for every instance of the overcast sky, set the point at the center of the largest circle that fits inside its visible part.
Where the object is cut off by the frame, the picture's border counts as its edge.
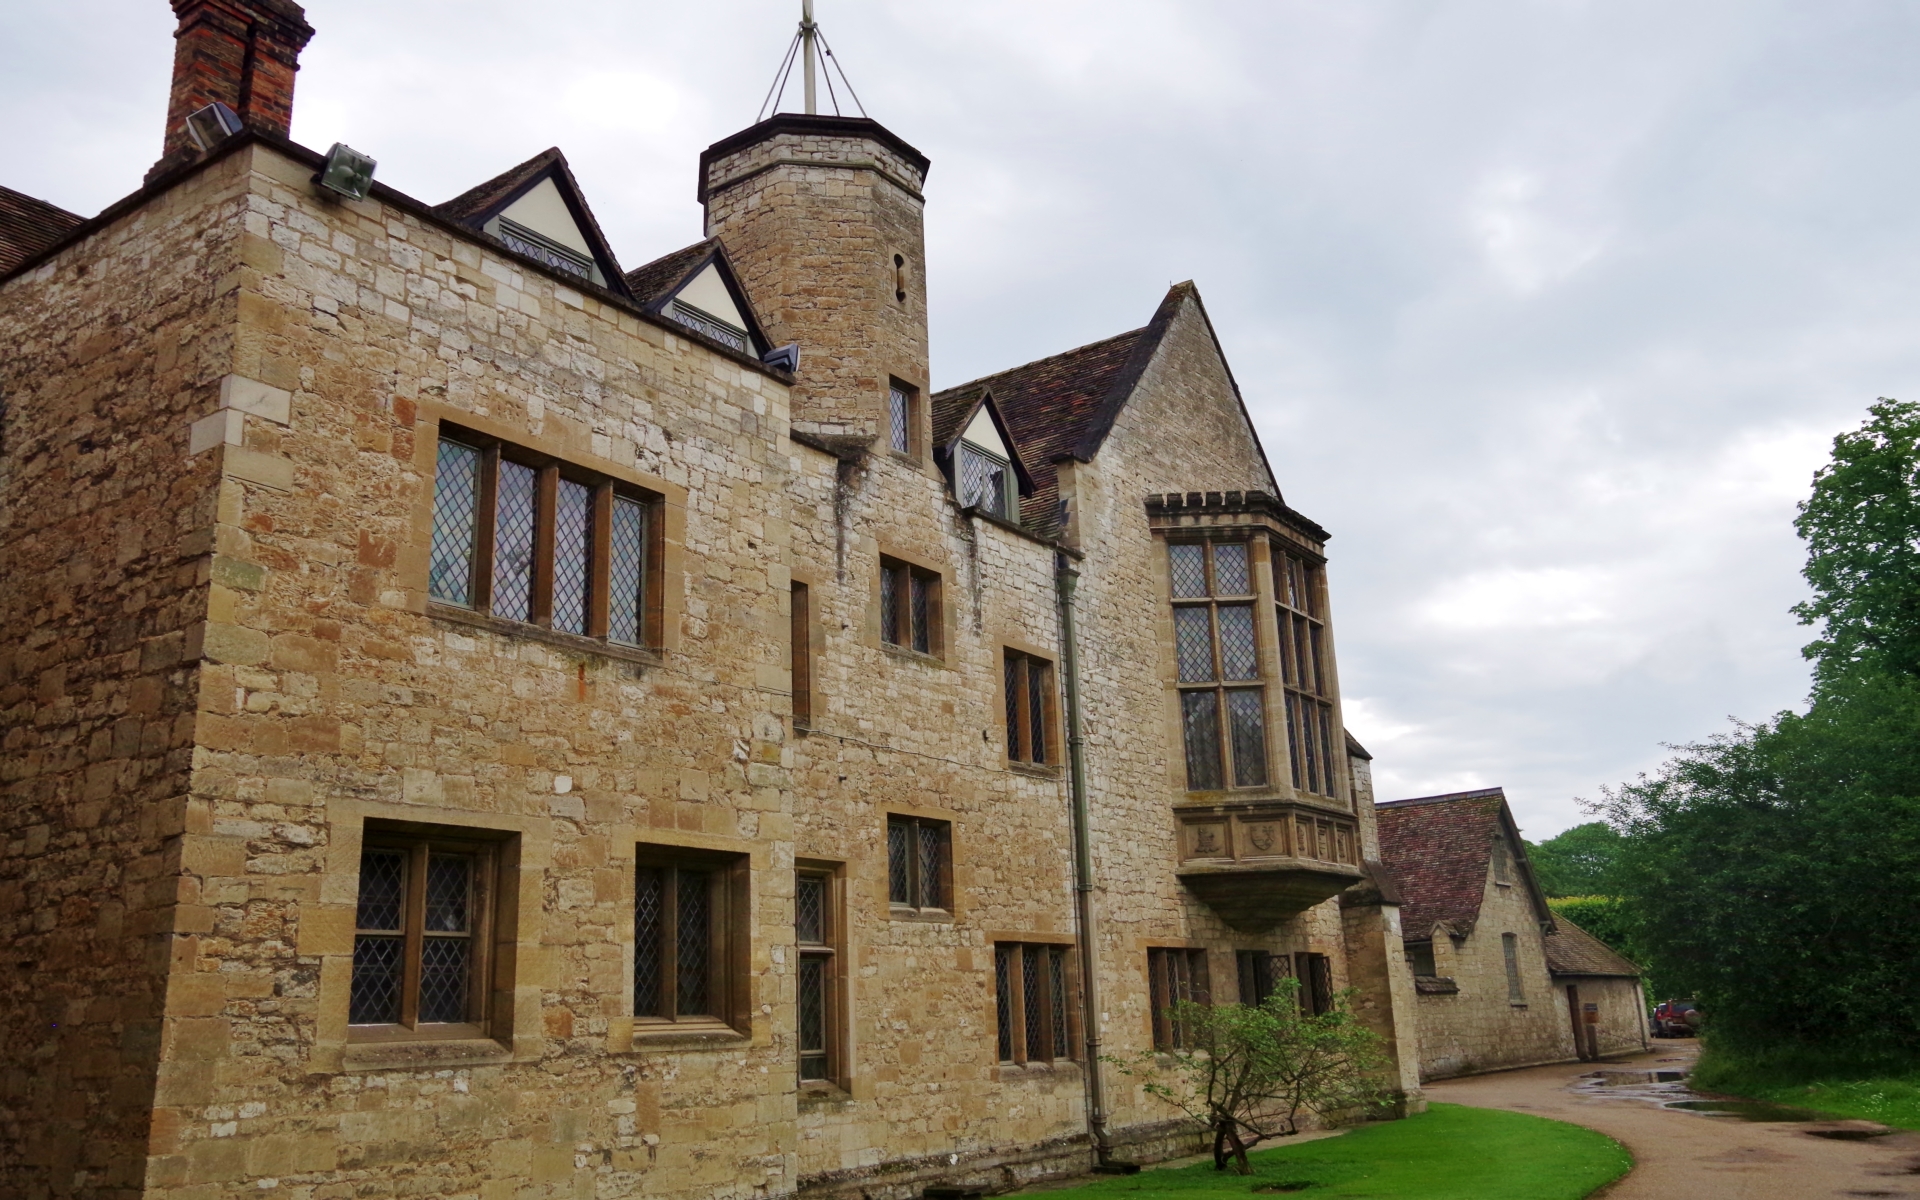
(1547, 309)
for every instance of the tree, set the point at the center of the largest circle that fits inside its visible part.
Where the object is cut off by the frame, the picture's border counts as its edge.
(1862, 529)
(1251, 1072)
(1576, 862)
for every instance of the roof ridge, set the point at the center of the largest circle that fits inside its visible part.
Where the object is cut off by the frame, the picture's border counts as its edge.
(1476, 794)
(1105, 341)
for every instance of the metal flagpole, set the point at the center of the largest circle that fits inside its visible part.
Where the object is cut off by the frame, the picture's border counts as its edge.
(807, 34)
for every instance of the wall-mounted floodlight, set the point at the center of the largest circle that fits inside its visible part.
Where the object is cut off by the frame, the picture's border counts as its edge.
(784, 358)
(210, 126)
(348, 172)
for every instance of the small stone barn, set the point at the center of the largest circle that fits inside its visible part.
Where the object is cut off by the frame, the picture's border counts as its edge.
(1606, 1005)
(1482, 942)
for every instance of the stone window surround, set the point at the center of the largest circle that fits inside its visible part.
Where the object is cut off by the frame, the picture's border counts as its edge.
(417, 843)
(1021, 1066)
(839, 1081)
(882, 895)
(731, 932)
(1164, 964)
(513, 1031)
(565, 440)
(1259, 530)
(1056, 743)
(939, 615)
(749, 949)
(918, 431)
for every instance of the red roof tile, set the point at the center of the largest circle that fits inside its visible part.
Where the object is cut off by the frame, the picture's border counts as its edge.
(1438, 849)
(1571, 950)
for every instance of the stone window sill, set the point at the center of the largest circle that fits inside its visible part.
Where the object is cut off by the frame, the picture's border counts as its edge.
(537, 633)
(1007, 1072)
(910, 655)
(930, 916)
(650, 1034)
(1036, 770)
(820, 1094)
(426, 1054)
(1516, 1004)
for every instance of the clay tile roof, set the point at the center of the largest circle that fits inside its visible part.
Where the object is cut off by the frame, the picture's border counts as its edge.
(28, 226)
(1438, 848)
(649, 281)
(1571, 950)
(1048, 406)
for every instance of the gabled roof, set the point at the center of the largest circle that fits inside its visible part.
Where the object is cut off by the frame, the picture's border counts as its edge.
(478, 205)
(655, 284)
(28, 226)
(1571, 950)
(1439, 849)
(951, 423)
(1062, 408)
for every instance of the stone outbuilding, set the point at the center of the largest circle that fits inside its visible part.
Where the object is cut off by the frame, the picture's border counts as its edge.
(1490, 960)
(1606, 1002)
(482, 721)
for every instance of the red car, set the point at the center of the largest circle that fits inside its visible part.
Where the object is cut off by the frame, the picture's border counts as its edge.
(1677, 1018)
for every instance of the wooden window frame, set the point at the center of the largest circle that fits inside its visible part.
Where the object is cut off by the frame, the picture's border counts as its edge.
(602, 491)
(832, 951)
(1175, 974)
(905, 574)
(1315, 973)
(418, 843)
(915, 869)
(800, 653)
(1222, 688)
(1017, 668)
(728, 945)
(1420, 954)
(1011, 1008)
(1314, 752)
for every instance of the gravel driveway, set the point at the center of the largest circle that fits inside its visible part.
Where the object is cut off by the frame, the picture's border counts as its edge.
(1682, 1155)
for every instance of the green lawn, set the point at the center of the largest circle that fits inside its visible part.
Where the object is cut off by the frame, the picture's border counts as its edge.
(1449, 1152)
(1887, 1091)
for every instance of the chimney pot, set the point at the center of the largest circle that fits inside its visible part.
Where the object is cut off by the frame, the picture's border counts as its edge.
(240, 53)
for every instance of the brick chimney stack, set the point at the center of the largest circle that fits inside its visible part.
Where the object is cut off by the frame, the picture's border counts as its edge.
(241, 53)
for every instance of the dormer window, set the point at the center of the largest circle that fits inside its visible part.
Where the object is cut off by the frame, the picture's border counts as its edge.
(544, 249)
(985, 475)
(706, 305)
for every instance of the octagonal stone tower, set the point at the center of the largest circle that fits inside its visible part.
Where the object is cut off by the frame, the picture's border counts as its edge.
(823, 218)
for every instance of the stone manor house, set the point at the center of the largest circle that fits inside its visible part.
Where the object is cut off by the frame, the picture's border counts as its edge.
(484, 721)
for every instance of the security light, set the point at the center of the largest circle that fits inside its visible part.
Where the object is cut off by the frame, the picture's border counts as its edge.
(348, 172)
(212, 125)
(784, 358)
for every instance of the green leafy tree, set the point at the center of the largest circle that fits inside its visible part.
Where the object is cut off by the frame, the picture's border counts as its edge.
(1862, 529)
(1252, 1072)
(1775, 871)
(1576, 862)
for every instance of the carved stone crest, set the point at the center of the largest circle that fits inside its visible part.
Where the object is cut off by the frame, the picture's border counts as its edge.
(1262, 836)
(1206, 840)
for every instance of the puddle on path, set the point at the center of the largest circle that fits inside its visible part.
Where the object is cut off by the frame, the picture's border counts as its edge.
(1748, 1110)
(1669, 1089)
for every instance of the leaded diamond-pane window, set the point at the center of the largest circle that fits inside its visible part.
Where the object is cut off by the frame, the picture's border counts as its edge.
(909, 607)
(919, 862)
(418, 952)
(523, 536)
(1032, 986)
(1215, 643)
(513, 532)
(815, 935)
(900, 405)
(570, 556)
(1306, 669)
(626, 599)
(986, 481)
(683, 936)
(456, 506)
(1028, 689)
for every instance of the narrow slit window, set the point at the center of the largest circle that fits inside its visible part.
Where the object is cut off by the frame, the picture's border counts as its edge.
(800, 647)
(1305, 673)
(816, 935)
